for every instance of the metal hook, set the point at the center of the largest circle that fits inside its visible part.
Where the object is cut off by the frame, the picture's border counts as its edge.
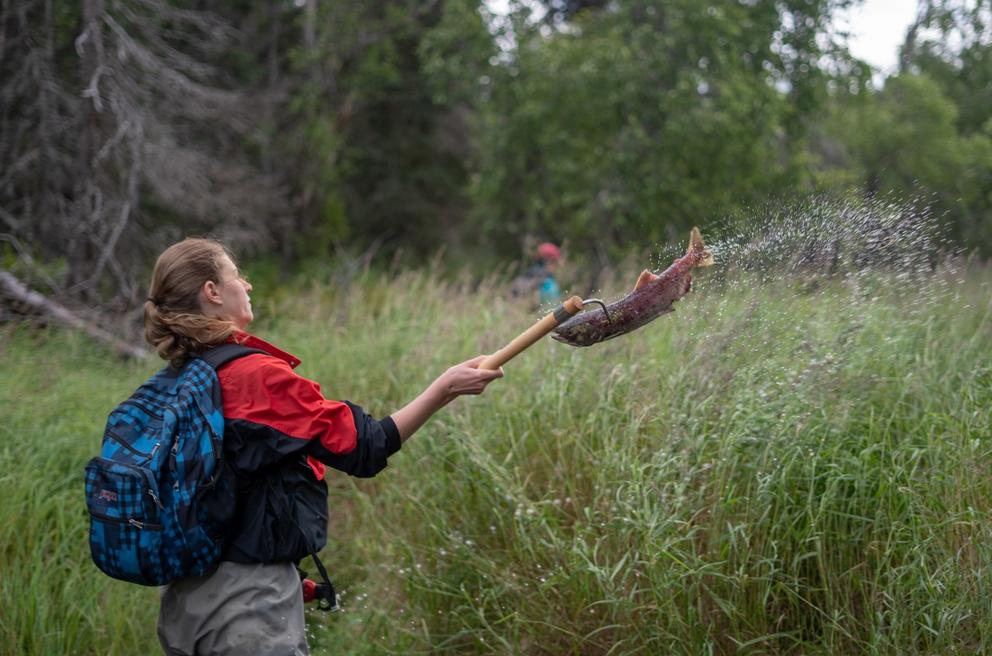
(600, 304)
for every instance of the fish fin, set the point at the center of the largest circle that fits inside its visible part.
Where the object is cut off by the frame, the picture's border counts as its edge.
(643, 279)
(696, 245)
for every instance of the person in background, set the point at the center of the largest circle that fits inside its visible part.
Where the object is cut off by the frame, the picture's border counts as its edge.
(538, 282)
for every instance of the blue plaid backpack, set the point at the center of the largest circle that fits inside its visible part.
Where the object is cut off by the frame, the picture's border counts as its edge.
(158, 505)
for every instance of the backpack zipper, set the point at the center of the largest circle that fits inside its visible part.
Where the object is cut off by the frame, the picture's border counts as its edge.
(120, 440)
(155, 498)
(149, 411)
(131, 521)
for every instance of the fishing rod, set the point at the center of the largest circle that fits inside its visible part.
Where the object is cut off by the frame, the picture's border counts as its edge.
(542, 327)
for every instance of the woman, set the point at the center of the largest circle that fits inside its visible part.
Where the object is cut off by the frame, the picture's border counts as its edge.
(280, 435)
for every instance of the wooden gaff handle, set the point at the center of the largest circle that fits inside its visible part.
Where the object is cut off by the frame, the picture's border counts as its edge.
(543, 326)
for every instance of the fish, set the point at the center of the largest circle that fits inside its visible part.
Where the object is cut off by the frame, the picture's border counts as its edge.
(652, 296)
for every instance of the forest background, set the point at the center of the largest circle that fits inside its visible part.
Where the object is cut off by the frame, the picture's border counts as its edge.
(353, 131)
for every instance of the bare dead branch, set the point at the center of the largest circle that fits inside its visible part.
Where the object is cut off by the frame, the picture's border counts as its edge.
(151, 32)
(215, 103)
(14, 288)
(92, 90)
(25, 257)
(216, 31)
(107, 250)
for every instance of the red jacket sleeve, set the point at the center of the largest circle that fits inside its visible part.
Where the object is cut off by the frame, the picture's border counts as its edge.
(277, 412)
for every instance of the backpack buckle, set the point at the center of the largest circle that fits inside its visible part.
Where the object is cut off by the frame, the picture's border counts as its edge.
(323, 593)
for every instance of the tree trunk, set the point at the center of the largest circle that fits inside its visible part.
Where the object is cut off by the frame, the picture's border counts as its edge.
(86, 191)
(310, 26)
(19, 292)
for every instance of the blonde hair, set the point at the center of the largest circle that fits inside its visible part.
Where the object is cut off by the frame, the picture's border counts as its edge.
(175, 324)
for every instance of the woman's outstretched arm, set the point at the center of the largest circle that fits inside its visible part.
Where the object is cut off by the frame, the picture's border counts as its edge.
(463, 378)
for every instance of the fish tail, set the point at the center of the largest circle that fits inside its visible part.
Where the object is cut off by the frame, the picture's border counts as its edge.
(697, 246)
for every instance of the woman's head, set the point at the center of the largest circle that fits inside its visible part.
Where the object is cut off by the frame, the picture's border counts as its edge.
(197, 299)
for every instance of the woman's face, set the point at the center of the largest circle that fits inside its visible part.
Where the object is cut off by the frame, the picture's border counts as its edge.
(228, 298)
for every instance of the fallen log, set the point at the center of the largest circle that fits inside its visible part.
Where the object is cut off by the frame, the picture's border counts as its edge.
(18, 291)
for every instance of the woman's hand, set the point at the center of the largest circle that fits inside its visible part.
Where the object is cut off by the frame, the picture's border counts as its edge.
(466, 378)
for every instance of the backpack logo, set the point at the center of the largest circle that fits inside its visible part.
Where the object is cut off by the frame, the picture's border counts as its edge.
(107, 495)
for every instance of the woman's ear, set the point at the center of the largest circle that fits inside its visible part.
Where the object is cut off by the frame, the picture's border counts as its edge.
(210, 294)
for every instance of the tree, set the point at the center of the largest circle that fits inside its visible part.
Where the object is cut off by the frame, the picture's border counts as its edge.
(927, 131)
(382, 132)
(951, 42)
(631, 122)
(118, 133)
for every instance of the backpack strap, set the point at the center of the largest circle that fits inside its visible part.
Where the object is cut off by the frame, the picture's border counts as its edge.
(325, 594)
(218, 356)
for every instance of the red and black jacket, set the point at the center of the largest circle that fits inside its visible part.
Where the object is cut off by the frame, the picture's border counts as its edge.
(280, 434)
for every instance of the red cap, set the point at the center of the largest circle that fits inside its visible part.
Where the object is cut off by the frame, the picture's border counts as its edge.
(548, 251)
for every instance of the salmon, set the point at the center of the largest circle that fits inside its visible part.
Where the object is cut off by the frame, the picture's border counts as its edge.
(652, 296)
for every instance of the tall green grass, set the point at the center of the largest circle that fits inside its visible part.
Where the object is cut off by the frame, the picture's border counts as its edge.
(777, 468)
